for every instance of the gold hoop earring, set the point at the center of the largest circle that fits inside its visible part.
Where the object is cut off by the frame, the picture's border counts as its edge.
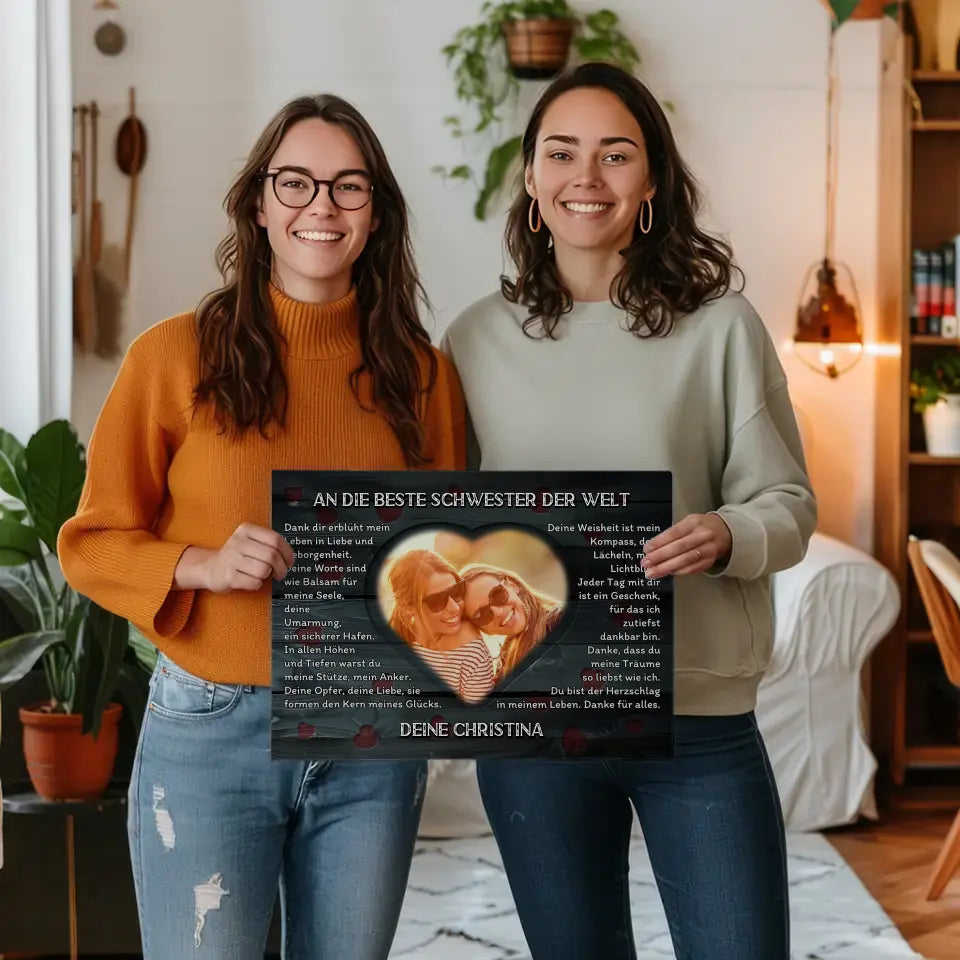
(534, 229)
(648, 205)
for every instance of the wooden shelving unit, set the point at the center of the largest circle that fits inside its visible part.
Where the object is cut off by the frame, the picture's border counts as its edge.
(915, 493)
(936, 76)
(936, 126)
(926, 460)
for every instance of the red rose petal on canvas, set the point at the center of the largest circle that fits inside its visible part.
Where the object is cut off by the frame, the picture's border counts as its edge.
(635, 726)
(389, 514)
(305, 730)
(540, 508)
(310, 634)
(325, 515)
(331, 573)
(293, 494)
(573, 741)
(382, 686)
(591, 679)
(439, 718)
(365, 737)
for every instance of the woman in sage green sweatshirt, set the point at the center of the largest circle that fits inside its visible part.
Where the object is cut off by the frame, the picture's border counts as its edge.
(621, 345)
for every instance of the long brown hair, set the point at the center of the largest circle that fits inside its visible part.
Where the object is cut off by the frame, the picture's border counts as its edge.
(241, 371)
(407, 577)
(667, 272)
(541, 613)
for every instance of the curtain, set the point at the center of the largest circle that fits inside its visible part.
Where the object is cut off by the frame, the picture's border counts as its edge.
(36, 324)
(36, 262)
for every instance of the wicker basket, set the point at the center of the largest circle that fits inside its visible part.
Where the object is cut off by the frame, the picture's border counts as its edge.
(538, 48)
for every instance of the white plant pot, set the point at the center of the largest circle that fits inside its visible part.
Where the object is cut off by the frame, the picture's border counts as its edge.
(941, 425)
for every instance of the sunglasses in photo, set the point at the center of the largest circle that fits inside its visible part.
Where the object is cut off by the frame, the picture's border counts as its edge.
(497, 597)
(436, 602)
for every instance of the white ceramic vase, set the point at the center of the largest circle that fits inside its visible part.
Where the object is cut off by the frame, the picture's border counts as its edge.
(941, 425)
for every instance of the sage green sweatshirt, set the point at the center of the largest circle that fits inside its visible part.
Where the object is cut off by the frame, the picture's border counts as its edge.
(709, 403)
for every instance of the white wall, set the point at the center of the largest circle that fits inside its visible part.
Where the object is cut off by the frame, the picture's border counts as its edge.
(748, 79)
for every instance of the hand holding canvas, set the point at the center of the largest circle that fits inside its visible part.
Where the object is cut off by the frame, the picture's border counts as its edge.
(697, 543)
(249, 557)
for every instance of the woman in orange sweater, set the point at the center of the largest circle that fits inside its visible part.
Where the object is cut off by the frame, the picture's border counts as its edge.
(311, 356)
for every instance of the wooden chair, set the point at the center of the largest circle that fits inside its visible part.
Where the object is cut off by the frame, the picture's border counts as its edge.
(937, 571)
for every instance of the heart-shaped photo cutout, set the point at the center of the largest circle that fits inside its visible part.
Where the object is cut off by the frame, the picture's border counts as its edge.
(473, 609)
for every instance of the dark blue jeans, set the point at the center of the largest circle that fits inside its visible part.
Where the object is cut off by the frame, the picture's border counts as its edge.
(712, 824)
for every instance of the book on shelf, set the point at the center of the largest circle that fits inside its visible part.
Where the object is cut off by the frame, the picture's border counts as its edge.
(948, 322)
(933, 290)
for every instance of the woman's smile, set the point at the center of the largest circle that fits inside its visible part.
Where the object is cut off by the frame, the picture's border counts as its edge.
(509, 618)
(322, 237)
(454, 620)
(586, 209)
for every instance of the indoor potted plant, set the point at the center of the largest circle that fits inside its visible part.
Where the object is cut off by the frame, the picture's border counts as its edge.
(89, 655)
(537, 34)
(936, 397)
(525, 39)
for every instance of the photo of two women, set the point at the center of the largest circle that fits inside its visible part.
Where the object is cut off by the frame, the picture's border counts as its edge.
(473, 610)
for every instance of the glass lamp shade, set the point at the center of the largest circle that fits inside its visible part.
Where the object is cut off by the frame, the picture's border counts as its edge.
(828, 338)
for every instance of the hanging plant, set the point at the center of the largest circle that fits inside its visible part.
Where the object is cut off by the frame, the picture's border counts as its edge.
(522, 40)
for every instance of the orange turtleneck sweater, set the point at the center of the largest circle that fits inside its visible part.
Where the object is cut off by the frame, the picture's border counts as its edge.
(160, 479)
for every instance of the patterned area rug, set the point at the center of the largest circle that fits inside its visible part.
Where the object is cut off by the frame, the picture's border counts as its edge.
(458, 907)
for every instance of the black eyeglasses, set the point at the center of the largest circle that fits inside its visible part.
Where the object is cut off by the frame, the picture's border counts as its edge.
(435, 602)
(497, 597)
(294, 187)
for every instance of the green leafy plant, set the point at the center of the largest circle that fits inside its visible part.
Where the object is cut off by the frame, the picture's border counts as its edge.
(484, 83)
(843, 10)
(930, 386)
(89, 654)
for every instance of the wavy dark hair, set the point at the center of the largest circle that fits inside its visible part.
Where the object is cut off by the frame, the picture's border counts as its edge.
(667, 272)
(241, 370)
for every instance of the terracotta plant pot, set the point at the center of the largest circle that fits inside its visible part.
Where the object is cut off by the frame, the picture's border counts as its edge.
(538, 48)
(63, 763)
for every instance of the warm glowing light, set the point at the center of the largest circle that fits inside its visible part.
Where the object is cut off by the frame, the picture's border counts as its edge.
(870, 349)
(883, 349)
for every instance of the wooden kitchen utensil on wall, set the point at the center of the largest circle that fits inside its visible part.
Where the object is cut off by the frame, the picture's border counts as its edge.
(131, 154)
(85, 320)
(96, 208)
(107, 278)
(74, 165)
(75, 173)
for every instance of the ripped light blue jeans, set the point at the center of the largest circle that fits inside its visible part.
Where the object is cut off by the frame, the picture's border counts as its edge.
(215, 824)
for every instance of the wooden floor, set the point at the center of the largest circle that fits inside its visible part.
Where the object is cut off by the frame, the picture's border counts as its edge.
(893, 860)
